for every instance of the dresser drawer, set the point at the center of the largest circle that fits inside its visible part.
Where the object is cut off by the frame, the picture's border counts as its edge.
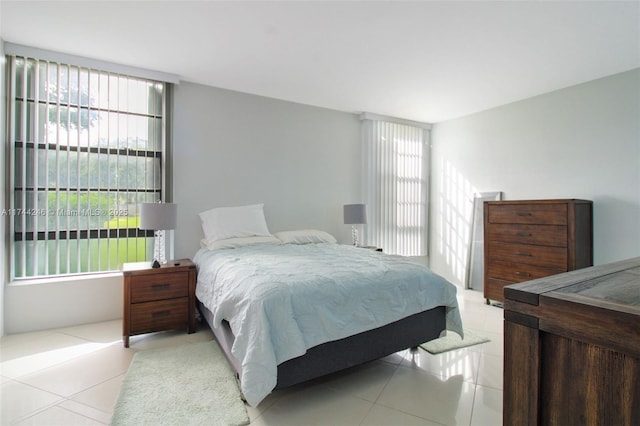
(519, 272)
(494, 288)
(543, 235)
(159, 315)
(550, 257)
(146, 288)
(540, 214)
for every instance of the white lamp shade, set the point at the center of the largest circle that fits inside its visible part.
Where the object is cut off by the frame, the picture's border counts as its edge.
(355, 214)
(158, 216)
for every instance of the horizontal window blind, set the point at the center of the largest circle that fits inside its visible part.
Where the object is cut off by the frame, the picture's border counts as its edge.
(86, 148)
(396, 171)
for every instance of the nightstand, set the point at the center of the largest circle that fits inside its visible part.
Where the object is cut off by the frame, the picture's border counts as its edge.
(157, 299)
(374, 248)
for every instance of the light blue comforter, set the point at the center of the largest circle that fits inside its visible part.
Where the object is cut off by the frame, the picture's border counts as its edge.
(281, 300)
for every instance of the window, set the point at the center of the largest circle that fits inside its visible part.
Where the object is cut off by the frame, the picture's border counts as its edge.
(85, 149)
(395, 180)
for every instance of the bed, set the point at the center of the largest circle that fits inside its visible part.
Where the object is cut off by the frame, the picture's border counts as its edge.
(285, 312)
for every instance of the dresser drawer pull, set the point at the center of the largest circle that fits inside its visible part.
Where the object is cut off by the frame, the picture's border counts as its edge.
(158, 287)
(524, 234)
(523, 274)
(522, 253)
(523, 213)
(160, 314)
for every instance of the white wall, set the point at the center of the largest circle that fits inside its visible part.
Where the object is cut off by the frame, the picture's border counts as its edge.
(232, 149)
(63, 302)
(3, 102)
(579, 142)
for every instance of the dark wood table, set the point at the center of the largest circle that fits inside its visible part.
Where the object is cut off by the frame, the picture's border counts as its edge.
(572, 348)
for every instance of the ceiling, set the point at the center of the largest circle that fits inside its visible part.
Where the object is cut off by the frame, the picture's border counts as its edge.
(421, 60)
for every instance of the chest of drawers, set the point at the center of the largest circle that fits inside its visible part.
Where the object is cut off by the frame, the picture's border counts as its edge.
(157, 299)
(525, 240)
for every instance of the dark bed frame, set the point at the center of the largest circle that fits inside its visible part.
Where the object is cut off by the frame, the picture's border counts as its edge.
(337, 355)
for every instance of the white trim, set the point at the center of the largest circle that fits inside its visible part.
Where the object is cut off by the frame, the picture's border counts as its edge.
(48, 55)
(65, 278)
(378, 117)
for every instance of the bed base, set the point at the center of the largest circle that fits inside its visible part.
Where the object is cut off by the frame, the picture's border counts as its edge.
(354, 350)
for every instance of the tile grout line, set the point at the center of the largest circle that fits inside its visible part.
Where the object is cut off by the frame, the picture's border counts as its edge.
(85, 405)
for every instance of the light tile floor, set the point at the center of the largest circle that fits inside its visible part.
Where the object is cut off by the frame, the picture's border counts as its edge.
(71, 376)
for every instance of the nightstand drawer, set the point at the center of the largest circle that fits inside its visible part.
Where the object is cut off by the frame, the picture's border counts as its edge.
(160, 315)
(168, 285)
(541, 214)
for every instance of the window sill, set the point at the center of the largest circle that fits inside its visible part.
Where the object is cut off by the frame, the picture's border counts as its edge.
(65, 278)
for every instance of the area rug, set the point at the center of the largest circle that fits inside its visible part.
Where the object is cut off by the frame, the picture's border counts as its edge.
(453, 341)
(184, 385)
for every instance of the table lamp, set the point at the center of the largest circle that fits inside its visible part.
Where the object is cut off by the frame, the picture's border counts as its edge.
(355, 214)
(158, 217)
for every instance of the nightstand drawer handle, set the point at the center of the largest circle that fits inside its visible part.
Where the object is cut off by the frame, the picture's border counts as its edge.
(523, 213)
(157, 287)
(160, 314)
(523, 274)
(523, 234)
(522, 253)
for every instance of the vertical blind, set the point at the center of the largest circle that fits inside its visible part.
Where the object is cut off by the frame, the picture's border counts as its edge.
(395, 173)
(85, 149)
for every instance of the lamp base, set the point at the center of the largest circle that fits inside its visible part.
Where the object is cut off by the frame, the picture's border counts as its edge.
(158, 249)
(354, 235)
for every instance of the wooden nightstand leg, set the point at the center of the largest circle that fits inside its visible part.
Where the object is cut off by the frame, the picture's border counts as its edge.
(191, 325)
(126, 341)
(192, 302)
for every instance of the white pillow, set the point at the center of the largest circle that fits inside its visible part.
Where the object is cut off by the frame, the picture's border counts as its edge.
(230, 243)
(234, 222)
(305, 236)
